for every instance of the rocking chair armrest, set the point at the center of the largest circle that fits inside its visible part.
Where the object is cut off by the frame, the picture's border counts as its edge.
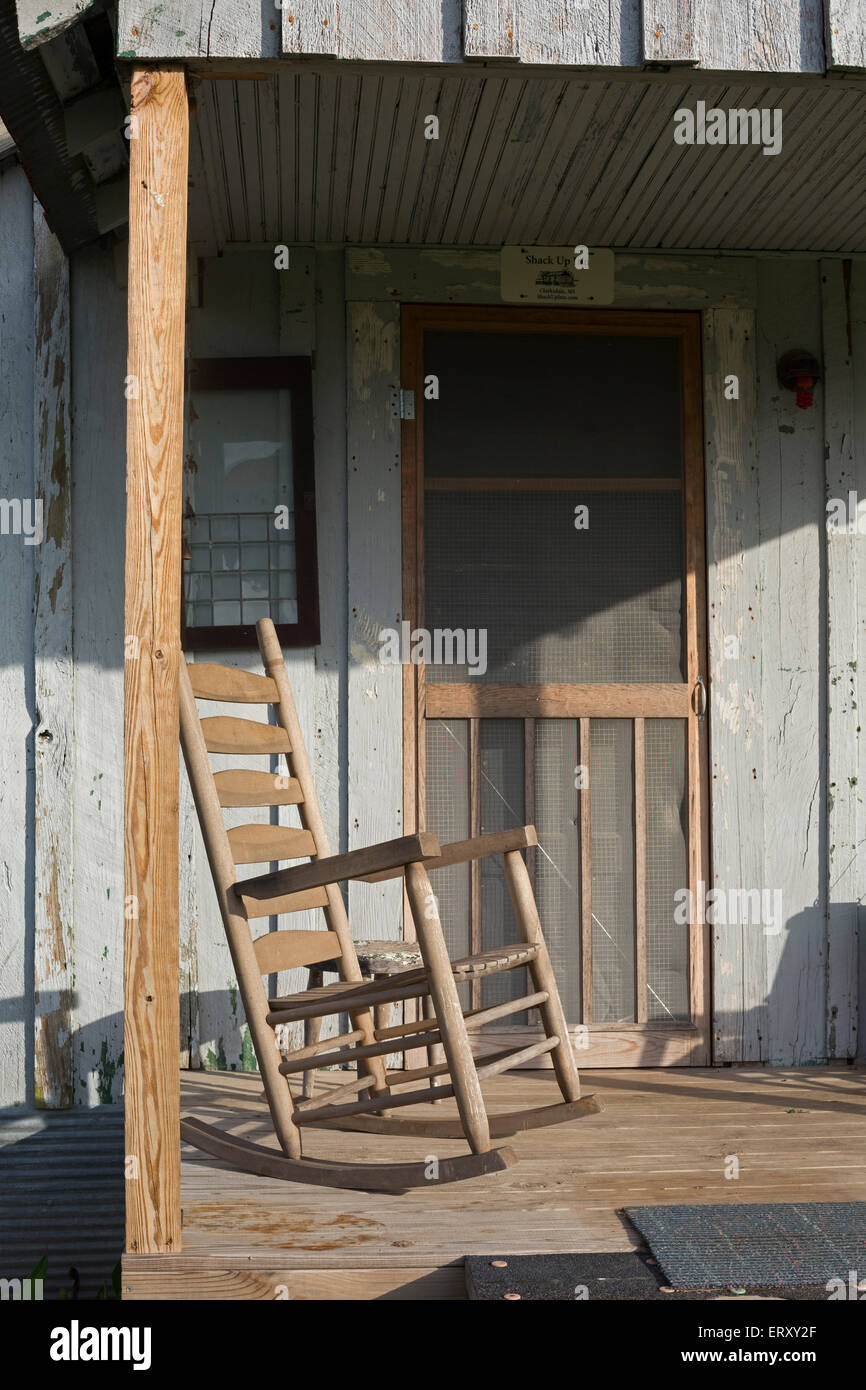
(388, 858)
(462, 851)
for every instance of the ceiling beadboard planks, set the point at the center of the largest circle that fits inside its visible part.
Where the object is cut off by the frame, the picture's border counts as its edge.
(845, 27)
(341, 156)
(54, 966)
(490, 29)
(310, 27)
(669, 31)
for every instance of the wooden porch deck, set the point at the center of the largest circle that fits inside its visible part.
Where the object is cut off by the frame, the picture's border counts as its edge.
(663, 1136)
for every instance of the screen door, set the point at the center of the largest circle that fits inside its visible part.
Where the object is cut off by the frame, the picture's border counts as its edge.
(554, 560)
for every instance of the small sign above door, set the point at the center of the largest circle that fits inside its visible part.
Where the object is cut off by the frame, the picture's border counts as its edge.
(556, 275)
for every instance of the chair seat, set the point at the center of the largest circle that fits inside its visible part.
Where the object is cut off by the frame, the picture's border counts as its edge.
(483, 963)
(379, 957)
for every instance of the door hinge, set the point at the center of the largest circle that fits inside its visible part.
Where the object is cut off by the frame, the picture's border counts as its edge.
(403, 404)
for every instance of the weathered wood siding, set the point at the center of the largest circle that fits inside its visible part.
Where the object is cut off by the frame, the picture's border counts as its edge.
(774, 576)
(845, 478)
(775, 996)
(786, 36)
(98, 513)
(16, 645)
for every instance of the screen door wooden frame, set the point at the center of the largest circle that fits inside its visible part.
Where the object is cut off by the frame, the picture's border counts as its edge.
(641, 1043)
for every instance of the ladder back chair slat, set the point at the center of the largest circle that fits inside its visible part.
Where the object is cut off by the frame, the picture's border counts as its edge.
(225, 733)
(286, 950)
(281, 907)
(263, 844)
(229, 684)
(242, 786)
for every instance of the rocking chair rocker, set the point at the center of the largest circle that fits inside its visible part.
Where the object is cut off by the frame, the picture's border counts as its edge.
(315, 884)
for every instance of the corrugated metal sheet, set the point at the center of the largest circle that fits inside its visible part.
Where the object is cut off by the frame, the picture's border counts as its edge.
(62, 1196)
(342, 157)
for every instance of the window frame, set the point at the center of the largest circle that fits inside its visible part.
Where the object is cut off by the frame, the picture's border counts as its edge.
(270, 374)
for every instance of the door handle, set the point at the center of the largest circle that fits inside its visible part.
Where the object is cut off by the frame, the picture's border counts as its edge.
(699, 698)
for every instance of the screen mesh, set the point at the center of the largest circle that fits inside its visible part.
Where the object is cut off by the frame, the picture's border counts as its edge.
(502, 802)
(667, 868)
(557, 859)
(558, 606)
(552, 405)
(611, 795)
(448, 817)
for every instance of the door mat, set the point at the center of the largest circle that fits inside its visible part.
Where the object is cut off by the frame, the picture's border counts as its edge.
(756, 1245)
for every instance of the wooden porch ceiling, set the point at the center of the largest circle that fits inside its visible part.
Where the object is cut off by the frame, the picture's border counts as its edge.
(341, 156)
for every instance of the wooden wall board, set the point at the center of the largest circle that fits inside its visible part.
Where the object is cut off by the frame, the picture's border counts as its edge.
(466, 276)
(845, 30)
(54, 748)
(858, 338)
(99, 504)
(16, 586)
(669, 32)
(736, 715)
(374, 690)
(787, 36)
(491, 29)
(793, 628)
(845, 472)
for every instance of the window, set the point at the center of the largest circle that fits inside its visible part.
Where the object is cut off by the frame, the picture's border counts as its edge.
(249, 531)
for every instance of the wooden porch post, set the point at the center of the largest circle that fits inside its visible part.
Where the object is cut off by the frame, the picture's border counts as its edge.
(154, 388)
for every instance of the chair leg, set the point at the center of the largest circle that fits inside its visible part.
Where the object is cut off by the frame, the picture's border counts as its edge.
(446, 1006)
(435, 1051)
(541, 973)
(381, 1012)
(312, 1033)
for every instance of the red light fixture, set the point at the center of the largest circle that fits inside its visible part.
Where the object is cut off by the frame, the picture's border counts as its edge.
(799, 371)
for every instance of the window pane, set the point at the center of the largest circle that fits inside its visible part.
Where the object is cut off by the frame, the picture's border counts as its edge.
(240, 487)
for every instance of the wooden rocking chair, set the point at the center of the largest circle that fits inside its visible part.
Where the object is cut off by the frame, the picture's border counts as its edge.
(315, 884)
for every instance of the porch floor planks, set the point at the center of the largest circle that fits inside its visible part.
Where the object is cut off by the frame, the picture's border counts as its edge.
(663, 1136)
